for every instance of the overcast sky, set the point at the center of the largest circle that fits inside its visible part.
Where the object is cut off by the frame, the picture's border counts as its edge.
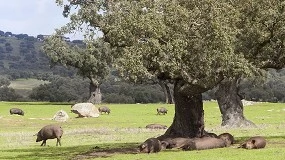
(32, 17)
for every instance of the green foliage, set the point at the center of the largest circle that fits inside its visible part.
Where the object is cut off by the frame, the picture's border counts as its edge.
(4, 81)
(26, 60)
(61, 89)
(8, 94)
(92, 60)
(64, 89)
(262, 32)
(189, 40)
(110, 136)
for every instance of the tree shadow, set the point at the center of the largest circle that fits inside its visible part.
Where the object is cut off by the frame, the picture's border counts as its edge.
(75, 152)
(101, 150)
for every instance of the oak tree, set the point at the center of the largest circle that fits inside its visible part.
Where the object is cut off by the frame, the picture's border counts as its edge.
(92, 61)
(261, 40)
(191, 43)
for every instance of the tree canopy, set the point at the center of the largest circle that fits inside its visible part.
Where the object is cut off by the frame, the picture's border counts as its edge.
(189, 40)
(92, 61)
(192, 43)
(262, 36)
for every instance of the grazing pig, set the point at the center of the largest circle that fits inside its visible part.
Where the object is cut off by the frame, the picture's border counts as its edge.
(205, 143)
(104, 109)
(254, 143)
(227, 137)
(49, 132)
(151, 145)
(161, 110)
(156, 126)
(16, 111)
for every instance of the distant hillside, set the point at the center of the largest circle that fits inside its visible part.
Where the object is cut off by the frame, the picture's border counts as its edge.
(21, 57)
(22, 54)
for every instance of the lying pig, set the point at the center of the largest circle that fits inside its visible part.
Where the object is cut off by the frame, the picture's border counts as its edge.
(178, 142)
(151, 145)
(156, 126)
(254, 143)
(205, 143)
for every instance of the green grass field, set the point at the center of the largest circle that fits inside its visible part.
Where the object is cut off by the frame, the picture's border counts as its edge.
(116, 135)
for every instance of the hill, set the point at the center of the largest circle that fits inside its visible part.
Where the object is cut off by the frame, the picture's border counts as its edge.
(21, 57)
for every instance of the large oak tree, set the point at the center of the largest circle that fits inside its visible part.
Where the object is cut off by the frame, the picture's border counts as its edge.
(191, 43)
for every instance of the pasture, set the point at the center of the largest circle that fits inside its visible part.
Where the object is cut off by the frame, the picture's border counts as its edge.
(116, 136)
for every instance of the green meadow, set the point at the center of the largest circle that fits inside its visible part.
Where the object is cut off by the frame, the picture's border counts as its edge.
(117, 135)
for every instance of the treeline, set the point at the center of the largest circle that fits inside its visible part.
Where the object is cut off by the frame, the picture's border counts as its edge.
(66, 89)
(76, 89)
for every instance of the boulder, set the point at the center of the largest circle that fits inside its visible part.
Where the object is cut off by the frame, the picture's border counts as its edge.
(85, 110)
(61, 116)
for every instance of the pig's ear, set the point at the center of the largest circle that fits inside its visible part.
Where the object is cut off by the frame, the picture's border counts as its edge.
(143, 146)
(253, 141)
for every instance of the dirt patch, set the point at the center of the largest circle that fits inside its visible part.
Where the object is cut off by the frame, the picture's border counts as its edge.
(106, 152)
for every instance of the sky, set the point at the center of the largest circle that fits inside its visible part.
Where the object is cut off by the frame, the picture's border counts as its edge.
(32, 17)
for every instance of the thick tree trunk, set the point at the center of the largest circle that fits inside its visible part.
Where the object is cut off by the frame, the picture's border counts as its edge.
(230, 104)
(189, 114)
(95, 93)
(166, 91)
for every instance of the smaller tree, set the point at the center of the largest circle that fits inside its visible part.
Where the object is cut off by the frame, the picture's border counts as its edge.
(92, 60)
(6, 93)
(4, 81)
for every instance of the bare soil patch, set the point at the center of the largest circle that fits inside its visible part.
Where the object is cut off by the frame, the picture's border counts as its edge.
(107, 152)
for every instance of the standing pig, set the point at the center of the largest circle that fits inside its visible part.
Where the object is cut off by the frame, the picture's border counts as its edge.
(17, 111)
(161, 110)
(151, 145)
(49, 132)
(254, 143)
(104, 109)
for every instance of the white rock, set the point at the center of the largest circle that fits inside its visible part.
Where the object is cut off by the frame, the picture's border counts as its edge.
(85, 110)
(61, 116)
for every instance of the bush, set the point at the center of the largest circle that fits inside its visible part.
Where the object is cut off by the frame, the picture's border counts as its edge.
(8, 94)
(61, 89)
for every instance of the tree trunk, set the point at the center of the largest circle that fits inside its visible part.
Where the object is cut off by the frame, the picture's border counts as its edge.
(189, 114)
(169, 94)
(95, 93)
(166, 90)
(230, 104)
